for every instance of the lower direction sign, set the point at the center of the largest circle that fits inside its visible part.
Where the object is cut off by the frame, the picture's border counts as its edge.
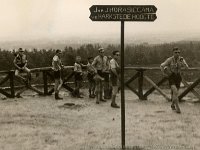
(124, 17)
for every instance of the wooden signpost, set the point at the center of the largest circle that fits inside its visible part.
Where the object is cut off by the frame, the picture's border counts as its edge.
(123, 13)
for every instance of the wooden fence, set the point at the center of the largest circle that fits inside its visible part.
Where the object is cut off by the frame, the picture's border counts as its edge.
(141, 76)
(47, 89)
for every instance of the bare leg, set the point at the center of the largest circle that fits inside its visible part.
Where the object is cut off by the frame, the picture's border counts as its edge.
(20, 77)
(175, 98)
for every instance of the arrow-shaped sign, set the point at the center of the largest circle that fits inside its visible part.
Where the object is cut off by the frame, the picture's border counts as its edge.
(123, 13)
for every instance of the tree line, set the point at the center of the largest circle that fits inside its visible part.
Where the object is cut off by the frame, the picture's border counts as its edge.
(135, 55)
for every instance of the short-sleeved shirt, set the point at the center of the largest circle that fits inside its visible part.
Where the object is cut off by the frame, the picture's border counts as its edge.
(56, 63)
(173, 65)
(78, 67)
(90, 68)
(20, 60)
(100, 63)
(114, 65)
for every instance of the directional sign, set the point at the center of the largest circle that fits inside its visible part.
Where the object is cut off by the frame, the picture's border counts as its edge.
(123, 13)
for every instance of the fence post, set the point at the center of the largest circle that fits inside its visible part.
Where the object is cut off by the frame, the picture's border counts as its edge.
(44, 73)
(12, 88)
(140, 85)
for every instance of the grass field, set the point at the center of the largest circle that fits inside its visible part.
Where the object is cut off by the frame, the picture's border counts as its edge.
(41, 123)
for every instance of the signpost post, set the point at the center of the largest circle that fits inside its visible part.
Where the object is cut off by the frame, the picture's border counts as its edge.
(123, 13)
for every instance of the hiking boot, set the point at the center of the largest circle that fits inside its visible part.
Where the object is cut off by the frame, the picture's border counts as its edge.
(114, 105)
(101, 97)
(173, 107)
(103, 100)
(92, 96)
(178, 109)
(57, 97)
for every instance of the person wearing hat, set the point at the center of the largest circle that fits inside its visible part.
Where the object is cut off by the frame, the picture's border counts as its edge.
(20, 63)
(171, 68)
(57, 67)
(99, 63)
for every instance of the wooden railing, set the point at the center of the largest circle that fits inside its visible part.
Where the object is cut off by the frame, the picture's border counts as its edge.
(47, 88)
(140, 74)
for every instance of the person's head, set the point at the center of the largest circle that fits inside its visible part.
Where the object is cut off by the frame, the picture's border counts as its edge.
(116, 54)
(109, 57)
(101, 51)
(78, 59)
(90, 59)
(58, 52)
(176, 52)
(20, 51)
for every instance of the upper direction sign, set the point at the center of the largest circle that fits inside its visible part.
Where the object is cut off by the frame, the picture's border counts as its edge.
(123, 13)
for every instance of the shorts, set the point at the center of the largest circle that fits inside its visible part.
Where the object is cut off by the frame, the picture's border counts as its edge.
(78, 77)
(20, 65)
(57, 74)
(90, 77)
(175, 79)
(114, 79)
(106, 76)
(100, 73)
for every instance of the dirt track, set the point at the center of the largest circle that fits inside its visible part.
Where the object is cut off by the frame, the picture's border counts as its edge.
(41, 123)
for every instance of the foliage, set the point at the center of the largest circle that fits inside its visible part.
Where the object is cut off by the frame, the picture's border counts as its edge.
(142, 54)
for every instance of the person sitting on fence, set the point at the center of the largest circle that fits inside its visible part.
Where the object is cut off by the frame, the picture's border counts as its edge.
(90, 76)
(98, 64)
(78, 75)
(171, 68)
(57, 67)
(20, 63)
(115, 77)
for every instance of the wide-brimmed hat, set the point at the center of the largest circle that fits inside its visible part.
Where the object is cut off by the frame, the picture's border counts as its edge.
(20, 50)
(101, 49)
(175, 48)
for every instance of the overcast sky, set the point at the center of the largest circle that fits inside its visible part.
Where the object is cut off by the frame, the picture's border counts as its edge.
(35, 19)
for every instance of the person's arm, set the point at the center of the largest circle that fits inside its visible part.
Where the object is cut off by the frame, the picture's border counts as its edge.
(113, 68)
(115, 72)
(25, 64)
(94, 64)
(83, 66)
(183, 63)
(165, 67)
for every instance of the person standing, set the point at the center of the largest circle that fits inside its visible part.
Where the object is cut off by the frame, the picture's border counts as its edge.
(98, 64)
(20, 63)
(106, 73)
(115, 77)
(171, 68)
(78, 76)
(90, 76)
(57, 68)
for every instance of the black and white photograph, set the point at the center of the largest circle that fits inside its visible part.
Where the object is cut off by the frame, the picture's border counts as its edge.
(99, 75)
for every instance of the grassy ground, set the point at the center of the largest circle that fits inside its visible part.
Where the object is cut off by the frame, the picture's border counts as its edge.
(41, 123)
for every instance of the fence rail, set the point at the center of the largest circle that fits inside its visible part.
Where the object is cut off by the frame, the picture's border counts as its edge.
(47, 89)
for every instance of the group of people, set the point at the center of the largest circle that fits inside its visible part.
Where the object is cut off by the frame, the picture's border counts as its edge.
(103, 73)
(103, 77)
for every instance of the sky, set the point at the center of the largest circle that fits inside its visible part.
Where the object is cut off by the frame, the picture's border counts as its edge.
(58, 19)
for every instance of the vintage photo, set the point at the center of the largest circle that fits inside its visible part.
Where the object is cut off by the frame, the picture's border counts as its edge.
(99, 74)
